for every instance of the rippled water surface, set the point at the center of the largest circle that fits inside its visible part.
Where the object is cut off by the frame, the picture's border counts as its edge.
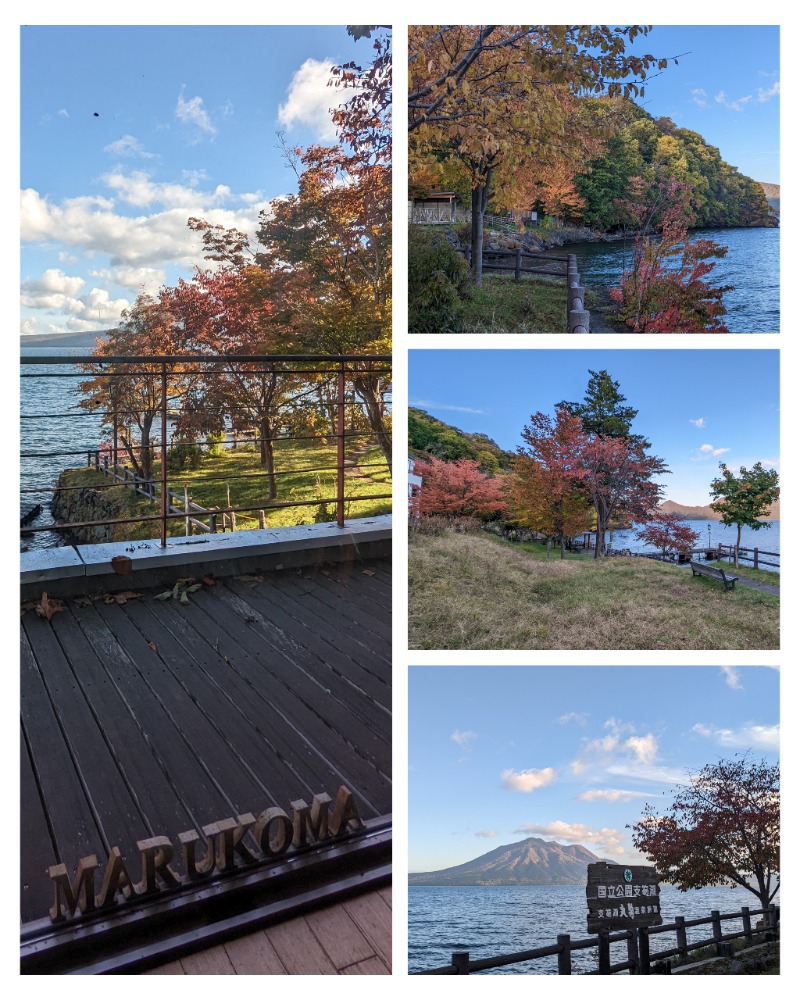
(751, 265)
(496, 920)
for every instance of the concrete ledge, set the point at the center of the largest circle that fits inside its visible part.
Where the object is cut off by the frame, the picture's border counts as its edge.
(70, 571)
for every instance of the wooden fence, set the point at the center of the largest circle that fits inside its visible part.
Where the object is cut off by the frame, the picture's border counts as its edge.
(578, 319)
(642, 960)
(176, 504)
(755, 556)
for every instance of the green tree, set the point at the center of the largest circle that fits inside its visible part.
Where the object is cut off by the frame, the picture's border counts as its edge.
(602, 411)
(744, 499)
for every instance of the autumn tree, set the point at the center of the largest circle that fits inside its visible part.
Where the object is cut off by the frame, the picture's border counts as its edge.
(129, 395)
(545, 489)
(722, 828)
(663, 290)
(745, 499)
(458, 489)
(618, 479)
(667, 532)
(503, 97)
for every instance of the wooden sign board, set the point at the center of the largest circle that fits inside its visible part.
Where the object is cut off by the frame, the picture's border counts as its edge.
(621, 896)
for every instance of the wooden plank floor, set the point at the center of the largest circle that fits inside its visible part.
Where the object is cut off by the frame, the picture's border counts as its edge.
(346, 939)
(152, 717)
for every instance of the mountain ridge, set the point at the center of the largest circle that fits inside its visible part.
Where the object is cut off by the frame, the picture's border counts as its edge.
(532, 861)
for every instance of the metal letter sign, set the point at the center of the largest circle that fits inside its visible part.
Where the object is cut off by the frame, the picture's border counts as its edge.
(620, 897)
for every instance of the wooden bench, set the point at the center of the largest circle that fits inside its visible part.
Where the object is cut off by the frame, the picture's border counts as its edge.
(699, 569)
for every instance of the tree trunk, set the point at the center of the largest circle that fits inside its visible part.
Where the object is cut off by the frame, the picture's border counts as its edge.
(368, 390)
(480, 199)
(267, 456)
(738, 543)
(563, 546)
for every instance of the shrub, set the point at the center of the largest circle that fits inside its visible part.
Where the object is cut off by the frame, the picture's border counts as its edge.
(184, 455)
(215, 442)
(438, 281)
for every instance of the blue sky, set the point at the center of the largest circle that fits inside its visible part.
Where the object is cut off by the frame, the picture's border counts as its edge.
(726, 87)
(498, 754)
(697, 407)
(128, 131)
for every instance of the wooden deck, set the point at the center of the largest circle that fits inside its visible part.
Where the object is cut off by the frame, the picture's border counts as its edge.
(353, 938)
(151, 717)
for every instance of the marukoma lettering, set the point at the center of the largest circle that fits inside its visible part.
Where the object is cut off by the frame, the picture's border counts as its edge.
(274, 831)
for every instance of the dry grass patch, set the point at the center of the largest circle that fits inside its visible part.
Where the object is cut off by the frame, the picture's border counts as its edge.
(469, 592)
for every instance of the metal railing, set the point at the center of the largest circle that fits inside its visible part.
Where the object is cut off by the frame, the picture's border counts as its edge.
(641, 961)
(336, 403)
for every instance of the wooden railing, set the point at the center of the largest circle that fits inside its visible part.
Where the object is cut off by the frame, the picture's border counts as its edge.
(578, 319)
(641, 961)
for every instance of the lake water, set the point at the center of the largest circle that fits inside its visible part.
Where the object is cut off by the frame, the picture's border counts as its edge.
(496, 920)
(715, 533)
(752, 266)
(71, 433)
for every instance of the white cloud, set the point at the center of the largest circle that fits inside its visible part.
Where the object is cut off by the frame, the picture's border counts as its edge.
(430, 405)
(609, 795)
(766, 95)
(644, 748)
(709, 451)
(599, 753)
(528, 780)
(748, 737)
(463, 738)
(739, 104)
(193, 113)
(486, 833)
(579, 717)
(699, 98)
(607, 840)
(309, 99)
(137, 279)
(62, 113)
(128, 145)
(700, 422)
(731, 675)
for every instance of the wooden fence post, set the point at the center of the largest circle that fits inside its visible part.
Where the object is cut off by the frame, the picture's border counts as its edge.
(772, 923)
(680, 933)
(564, 956)
(603, 954)
(633, 953)
(460, 960)
(644, 952)
(262, 519)
(755, 558)
(716, 929)
(747, 926)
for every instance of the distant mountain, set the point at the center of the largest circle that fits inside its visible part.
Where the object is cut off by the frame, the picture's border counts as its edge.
(707, 514)
(78, 340)
(773, 195)
(530, 862)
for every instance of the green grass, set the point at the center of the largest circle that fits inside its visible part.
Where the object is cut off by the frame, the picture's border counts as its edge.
(240, 472)
(502, 305)
(747, 572)
(469, 592)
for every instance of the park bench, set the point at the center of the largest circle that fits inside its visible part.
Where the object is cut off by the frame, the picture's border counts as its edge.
(699, 569)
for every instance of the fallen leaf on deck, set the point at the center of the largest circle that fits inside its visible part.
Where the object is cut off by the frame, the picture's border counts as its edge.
(209, 581)
(368, 572)
(48, 606)
(153, 646)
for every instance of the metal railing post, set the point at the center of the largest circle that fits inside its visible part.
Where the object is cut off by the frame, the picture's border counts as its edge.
(340, 447)
(164, 500)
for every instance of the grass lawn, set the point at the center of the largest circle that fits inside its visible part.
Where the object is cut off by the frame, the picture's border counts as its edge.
(470, 592)
(502, 305)
(304, 474)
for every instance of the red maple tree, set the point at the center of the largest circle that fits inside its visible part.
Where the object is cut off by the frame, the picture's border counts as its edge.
(723, 828)
(458, 489)
(667, 532)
